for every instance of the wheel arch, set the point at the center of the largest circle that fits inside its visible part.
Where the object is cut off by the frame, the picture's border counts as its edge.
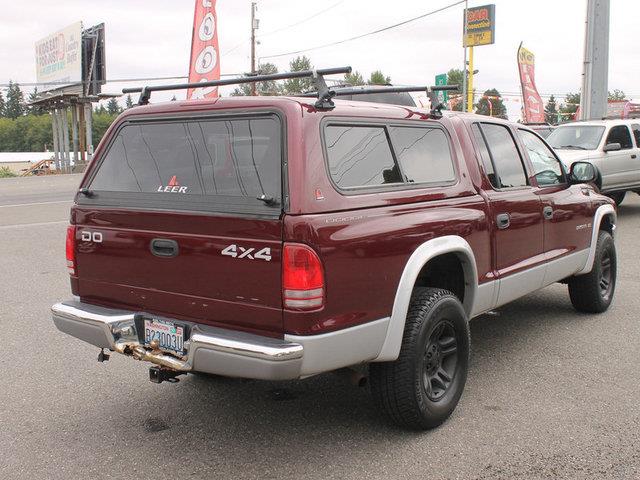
(604, 219)
(430, 250)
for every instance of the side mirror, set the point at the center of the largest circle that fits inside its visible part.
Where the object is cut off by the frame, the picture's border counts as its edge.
(583, 172)
(612, 147)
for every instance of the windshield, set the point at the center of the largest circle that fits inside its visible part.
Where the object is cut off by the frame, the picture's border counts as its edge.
(579, 137)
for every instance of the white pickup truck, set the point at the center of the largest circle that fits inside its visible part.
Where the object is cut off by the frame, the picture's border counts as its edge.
(611, 145)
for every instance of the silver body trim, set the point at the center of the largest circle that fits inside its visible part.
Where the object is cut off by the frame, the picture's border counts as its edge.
(602, 212)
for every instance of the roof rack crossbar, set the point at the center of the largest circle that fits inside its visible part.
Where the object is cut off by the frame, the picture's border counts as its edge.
(145, 92)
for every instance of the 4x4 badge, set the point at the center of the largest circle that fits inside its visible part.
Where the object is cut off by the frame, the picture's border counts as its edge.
(172, 187)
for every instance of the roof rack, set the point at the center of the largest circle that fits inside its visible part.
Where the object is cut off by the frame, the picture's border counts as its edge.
(436, 106)
(323, 93)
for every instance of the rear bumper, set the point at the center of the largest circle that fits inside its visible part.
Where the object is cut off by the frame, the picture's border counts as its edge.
(209, 349)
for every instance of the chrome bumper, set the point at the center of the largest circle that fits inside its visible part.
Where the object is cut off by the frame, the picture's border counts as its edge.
(209, 349)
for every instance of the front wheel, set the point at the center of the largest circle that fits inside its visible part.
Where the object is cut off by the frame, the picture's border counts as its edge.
(422, 387)
(593, 292)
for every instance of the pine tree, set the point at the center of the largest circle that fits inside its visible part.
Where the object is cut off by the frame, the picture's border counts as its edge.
(491, 104)
(299, 85)
(551, 111)
(34, 109)
(2, 106)
(112, 106)
(378, 78)
(14, 106)
(354, 79)
(262, 88)
(129, 101)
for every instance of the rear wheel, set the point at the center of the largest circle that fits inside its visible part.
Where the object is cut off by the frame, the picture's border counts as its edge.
(593, 292)
(422, 387)
(617, 197)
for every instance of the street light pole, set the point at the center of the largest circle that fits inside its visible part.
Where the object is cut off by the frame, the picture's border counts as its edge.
(254, 26)
(464, 65)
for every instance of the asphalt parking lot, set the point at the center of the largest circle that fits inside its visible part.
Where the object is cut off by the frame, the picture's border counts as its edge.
(551, 393)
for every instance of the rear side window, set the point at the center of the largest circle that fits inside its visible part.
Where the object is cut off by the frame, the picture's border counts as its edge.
(423, 154)
(620, 134)
(360, 156)
(219, 163)
(504, 155)
(636, 133)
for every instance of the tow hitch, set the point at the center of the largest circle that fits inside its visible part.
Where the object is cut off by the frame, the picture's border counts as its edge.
(159, 375)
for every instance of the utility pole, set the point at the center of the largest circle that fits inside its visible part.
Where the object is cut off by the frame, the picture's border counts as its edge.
(470, 82)
(595, 72)
(464, 65)
(254, 27)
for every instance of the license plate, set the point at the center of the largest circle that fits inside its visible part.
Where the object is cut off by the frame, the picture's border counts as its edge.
(170, 336)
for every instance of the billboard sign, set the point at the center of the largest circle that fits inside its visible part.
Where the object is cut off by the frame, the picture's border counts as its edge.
(532, 102)
(205, 54)
(443, 96)
(480, 26)
(59, 57)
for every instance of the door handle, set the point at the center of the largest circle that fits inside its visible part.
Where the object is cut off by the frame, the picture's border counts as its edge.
(162, 247)
(547, 212)
(503, 220)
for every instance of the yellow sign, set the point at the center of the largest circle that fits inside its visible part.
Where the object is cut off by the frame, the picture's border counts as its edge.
(479, 38)
(480, 25)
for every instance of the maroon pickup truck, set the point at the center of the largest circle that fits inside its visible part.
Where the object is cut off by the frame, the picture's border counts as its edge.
(276, 238)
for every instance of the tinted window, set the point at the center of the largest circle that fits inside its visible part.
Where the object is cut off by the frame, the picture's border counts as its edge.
(505, 156)
(485, 157)
(546, 166)
(620, 134)
(360, 156)
(230, 159)
(423, 154)
(636, 133)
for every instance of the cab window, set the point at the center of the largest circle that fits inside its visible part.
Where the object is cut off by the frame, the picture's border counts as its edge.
(504, 155)
(546, 166)
(620, 134)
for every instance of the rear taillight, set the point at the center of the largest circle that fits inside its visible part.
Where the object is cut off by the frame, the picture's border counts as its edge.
(302, 278)
(71, 249)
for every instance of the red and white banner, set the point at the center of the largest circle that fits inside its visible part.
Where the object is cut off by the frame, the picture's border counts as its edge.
(533, 108)
(205, 53)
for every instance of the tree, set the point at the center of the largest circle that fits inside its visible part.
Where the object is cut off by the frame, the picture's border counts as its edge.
(378, 78)
(112, 106)
(491, 104)
(570, 105)
(354, 79)
(34, 109)
(128, 102)
(2, 105)
(455, 77)
(14, 106)
(551, 111)
(299, 85)
(616, 95)
(262, 88)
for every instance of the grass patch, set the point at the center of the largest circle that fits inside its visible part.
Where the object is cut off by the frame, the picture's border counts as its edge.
(6, 172)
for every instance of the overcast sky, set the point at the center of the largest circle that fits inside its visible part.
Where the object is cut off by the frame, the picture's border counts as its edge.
(152, 38)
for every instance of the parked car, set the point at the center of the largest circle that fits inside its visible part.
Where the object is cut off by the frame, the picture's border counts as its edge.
(611, 145)
(270, 238)
(542, 129)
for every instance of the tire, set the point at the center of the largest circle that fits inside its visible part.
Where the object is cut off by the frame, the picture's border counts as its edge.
(435, 340)
(593, 292)
(617, 197)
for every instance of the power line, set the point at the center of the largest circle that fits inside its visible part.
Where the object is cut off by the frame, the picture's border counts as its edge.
(301, 21)
(233, 49)
(380, 30)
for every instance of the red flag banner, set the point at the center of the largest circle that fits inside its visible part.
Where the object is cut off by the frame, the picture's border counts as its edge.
(205, 54)
(532, 103)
